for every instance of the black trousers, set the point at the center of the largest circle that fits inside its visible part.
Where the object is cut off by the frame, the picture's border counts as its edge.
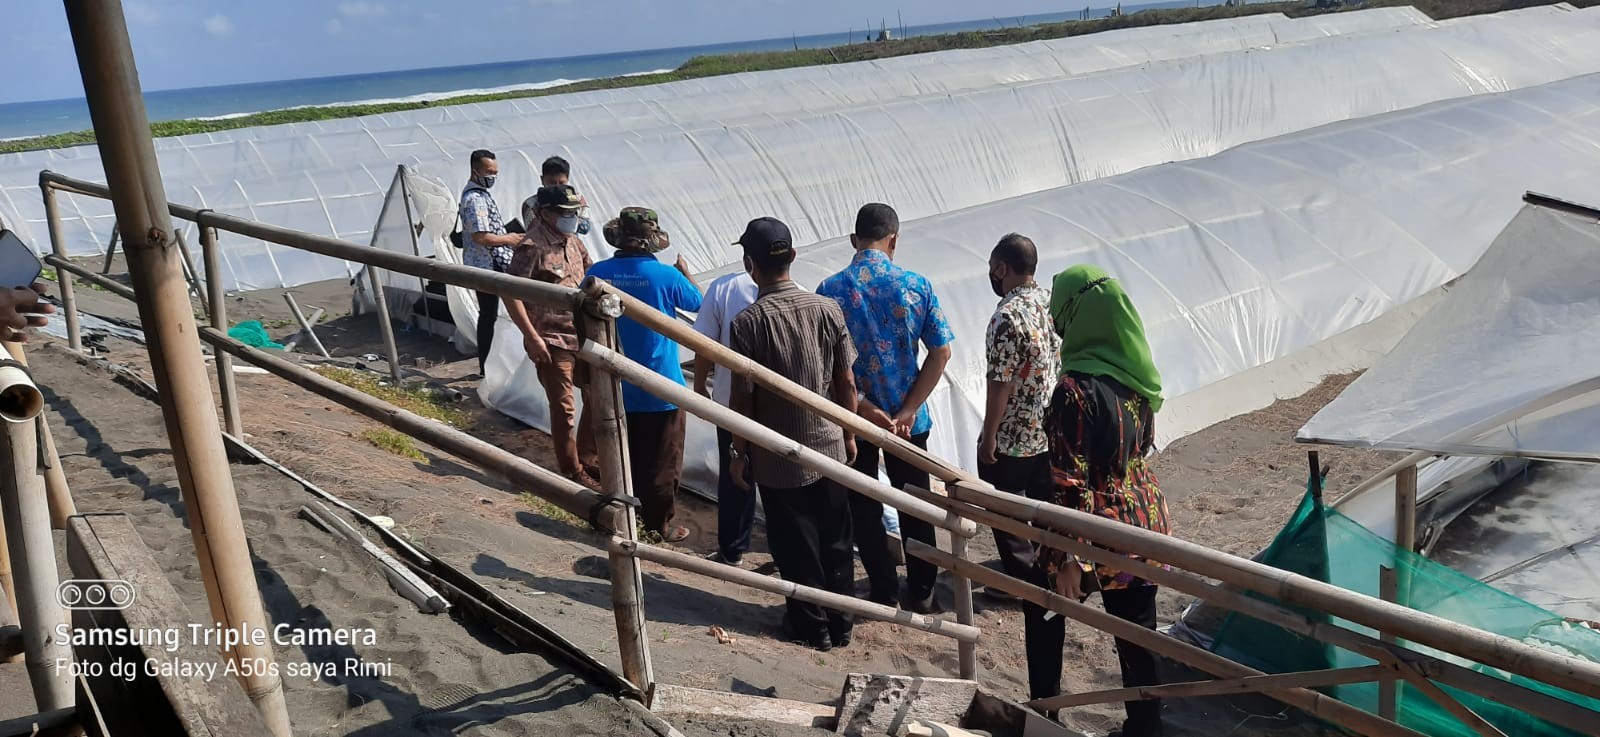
(736, 507)
(808, 531)
(872, 541)
(488, 313)
(1044, 646)
(1029, 476)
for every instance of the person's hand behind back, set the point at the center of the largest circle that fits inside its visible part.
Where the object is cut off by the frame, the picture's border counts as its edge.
(22, 308)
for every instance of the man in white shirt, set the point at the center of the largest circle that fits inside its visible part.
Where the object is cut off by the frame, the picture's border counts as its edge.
(736, 508)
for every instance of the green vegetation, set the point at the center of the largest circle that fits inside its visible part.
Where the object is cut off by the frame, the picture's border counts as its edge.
(549, 510)
(720, 64)
(418, 400)
(397, 443)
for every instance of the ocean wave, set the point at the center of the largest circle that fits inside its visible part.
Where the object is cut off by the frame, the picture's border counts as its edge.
(437, 96)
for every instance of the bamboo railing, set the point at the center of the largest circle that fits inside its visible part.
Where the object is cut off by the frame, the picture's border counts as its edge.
(966, 503)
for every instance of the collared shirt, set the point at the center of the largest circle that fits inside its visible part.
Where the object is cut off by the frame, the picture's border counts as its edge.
(803, 337)
(725, 299)
(889, 310)
(1023, 349)
(557, 258)
(480, 214)
(663, 287)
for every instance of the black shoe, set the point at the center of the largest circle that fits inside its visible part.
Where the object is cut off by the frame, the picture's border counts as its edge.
(718, 557)
(929, 606)
(840, 639)
(819, 642)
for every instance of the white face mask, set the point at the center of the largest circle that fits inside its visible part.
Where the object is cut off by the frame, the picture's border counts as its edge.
(568, 224)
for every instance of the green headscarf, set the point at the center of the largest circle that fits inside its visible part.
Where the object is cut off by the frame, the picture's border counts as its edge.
(1101, 333)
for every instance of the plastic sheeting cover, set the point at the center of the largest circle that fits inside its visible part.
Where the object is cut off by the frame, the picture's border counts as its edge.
(1507, 364)
(927, 154)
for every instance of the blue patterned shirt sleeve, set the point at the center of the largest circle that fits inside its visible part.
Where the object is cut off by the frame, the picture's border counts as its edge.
(936, 332)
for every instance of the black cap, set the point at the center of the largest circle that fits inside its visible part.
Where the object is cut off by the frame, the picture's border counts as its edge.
(561, 195)
(766, 237)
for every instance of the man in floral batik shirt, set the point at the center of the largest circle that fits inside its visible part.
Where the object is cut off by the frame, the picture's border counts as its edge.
(1024, 354)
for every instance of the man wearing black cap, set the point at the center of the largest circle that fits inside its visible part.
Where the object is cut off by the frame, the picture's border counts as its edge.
(803, 337)
(550, 252)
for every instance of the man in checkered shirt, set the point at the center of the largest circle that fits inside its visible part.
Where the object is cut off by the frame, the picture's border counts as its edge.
(485, 242)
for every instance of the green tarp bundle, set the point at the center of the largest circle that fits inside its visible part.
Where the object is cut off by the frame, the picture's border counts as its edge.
(1323, 544)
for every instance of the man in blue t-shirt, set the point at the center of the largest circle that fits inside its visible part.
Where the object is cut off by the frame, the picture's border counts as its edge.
(655, 426)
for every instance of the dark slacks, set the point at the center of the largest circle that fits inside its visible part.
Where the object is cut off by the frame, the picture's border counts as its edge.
(1029, 476)
(736, 507)
(1044, 644)
(872, 541)
(808, 531)
(655, 460)
(488, 313)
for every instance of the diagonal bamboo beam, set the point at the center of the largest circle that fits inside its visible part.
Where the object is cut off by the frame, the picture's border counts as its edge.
(1448, 702)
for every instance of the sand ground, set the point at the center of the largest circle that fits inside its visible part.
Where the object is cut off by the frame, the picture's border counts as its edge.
(1230, 486)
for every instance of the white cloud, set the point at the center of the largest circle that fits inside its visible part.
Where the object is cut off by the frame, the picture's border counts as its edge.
(333, 26)
(140, 12)
(363, 9)
(219, 25)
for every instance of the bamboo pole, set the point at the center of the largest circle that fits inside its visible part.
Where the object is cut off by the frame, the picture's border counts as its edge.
(55, 479)
(597, 320)
(966, 652)
(1557, 711)
(1405, 510)
(1388, 691)
(189, 273)
(960, 632)
(111, 248)
(227, 388)
(69, 301)
(122, 130)
(385, 326)
(305, 326)
(8, 607)
(615, 363)
(1448, 703)
(1223, 687)
(1432, 631)
(110, 285)
(1307, 700)
(495, 461)
(26, 512)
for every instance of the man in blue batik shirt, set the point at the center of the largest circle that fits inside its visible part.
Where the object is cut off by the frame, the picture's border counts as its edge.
(890, 312)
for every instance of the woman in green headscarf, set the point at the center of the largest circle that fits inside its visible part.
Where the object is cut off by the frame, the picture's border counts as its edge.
(1101, 427)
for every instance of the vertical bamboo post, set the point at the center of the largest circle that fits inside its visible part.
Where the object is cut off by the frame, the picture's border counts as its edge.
(69, 302)
(133, 176)
(1405, 509)
(967, 652)
(8, 608)
(384, 324)
(55, 479)
(1388, 688)
(416, 247)
(33, 551)
(597, 319)
(218, 298)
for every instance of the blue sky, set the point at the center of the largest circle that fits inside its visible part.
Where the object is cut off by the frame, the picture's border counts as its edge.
(191, 43)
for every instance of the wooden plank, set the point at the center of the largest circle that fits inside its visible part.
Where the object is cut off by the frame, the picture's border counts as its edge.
(699, 702)
(1224, 687)
(106, 546)
(1388, 693)
(881, 704)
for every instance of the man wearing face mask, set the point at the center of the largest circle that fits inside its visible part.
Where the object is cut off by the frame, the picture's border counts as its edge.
(1023, 355)
(556, 172)
(655, 426)
(551, 252)
(487, 244)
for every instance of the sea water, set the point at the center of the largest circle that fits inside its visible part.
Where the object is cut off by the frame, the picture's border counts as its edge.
(24, 119)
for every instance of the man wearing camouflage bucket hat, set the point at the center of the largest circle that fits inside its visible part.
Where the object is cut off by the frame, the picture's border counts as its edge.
(655, 427)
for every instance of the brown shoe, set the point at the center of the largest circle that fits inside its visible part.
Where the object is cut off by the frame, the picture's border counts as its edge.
(586, 480)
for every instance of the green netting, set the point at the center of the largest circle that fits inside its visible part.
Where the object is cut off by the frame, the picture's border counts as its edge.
(1321, 543)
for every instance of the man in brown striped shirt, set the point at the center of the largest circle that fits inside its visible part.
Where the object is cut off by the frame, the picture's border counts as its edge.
(803, 337)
